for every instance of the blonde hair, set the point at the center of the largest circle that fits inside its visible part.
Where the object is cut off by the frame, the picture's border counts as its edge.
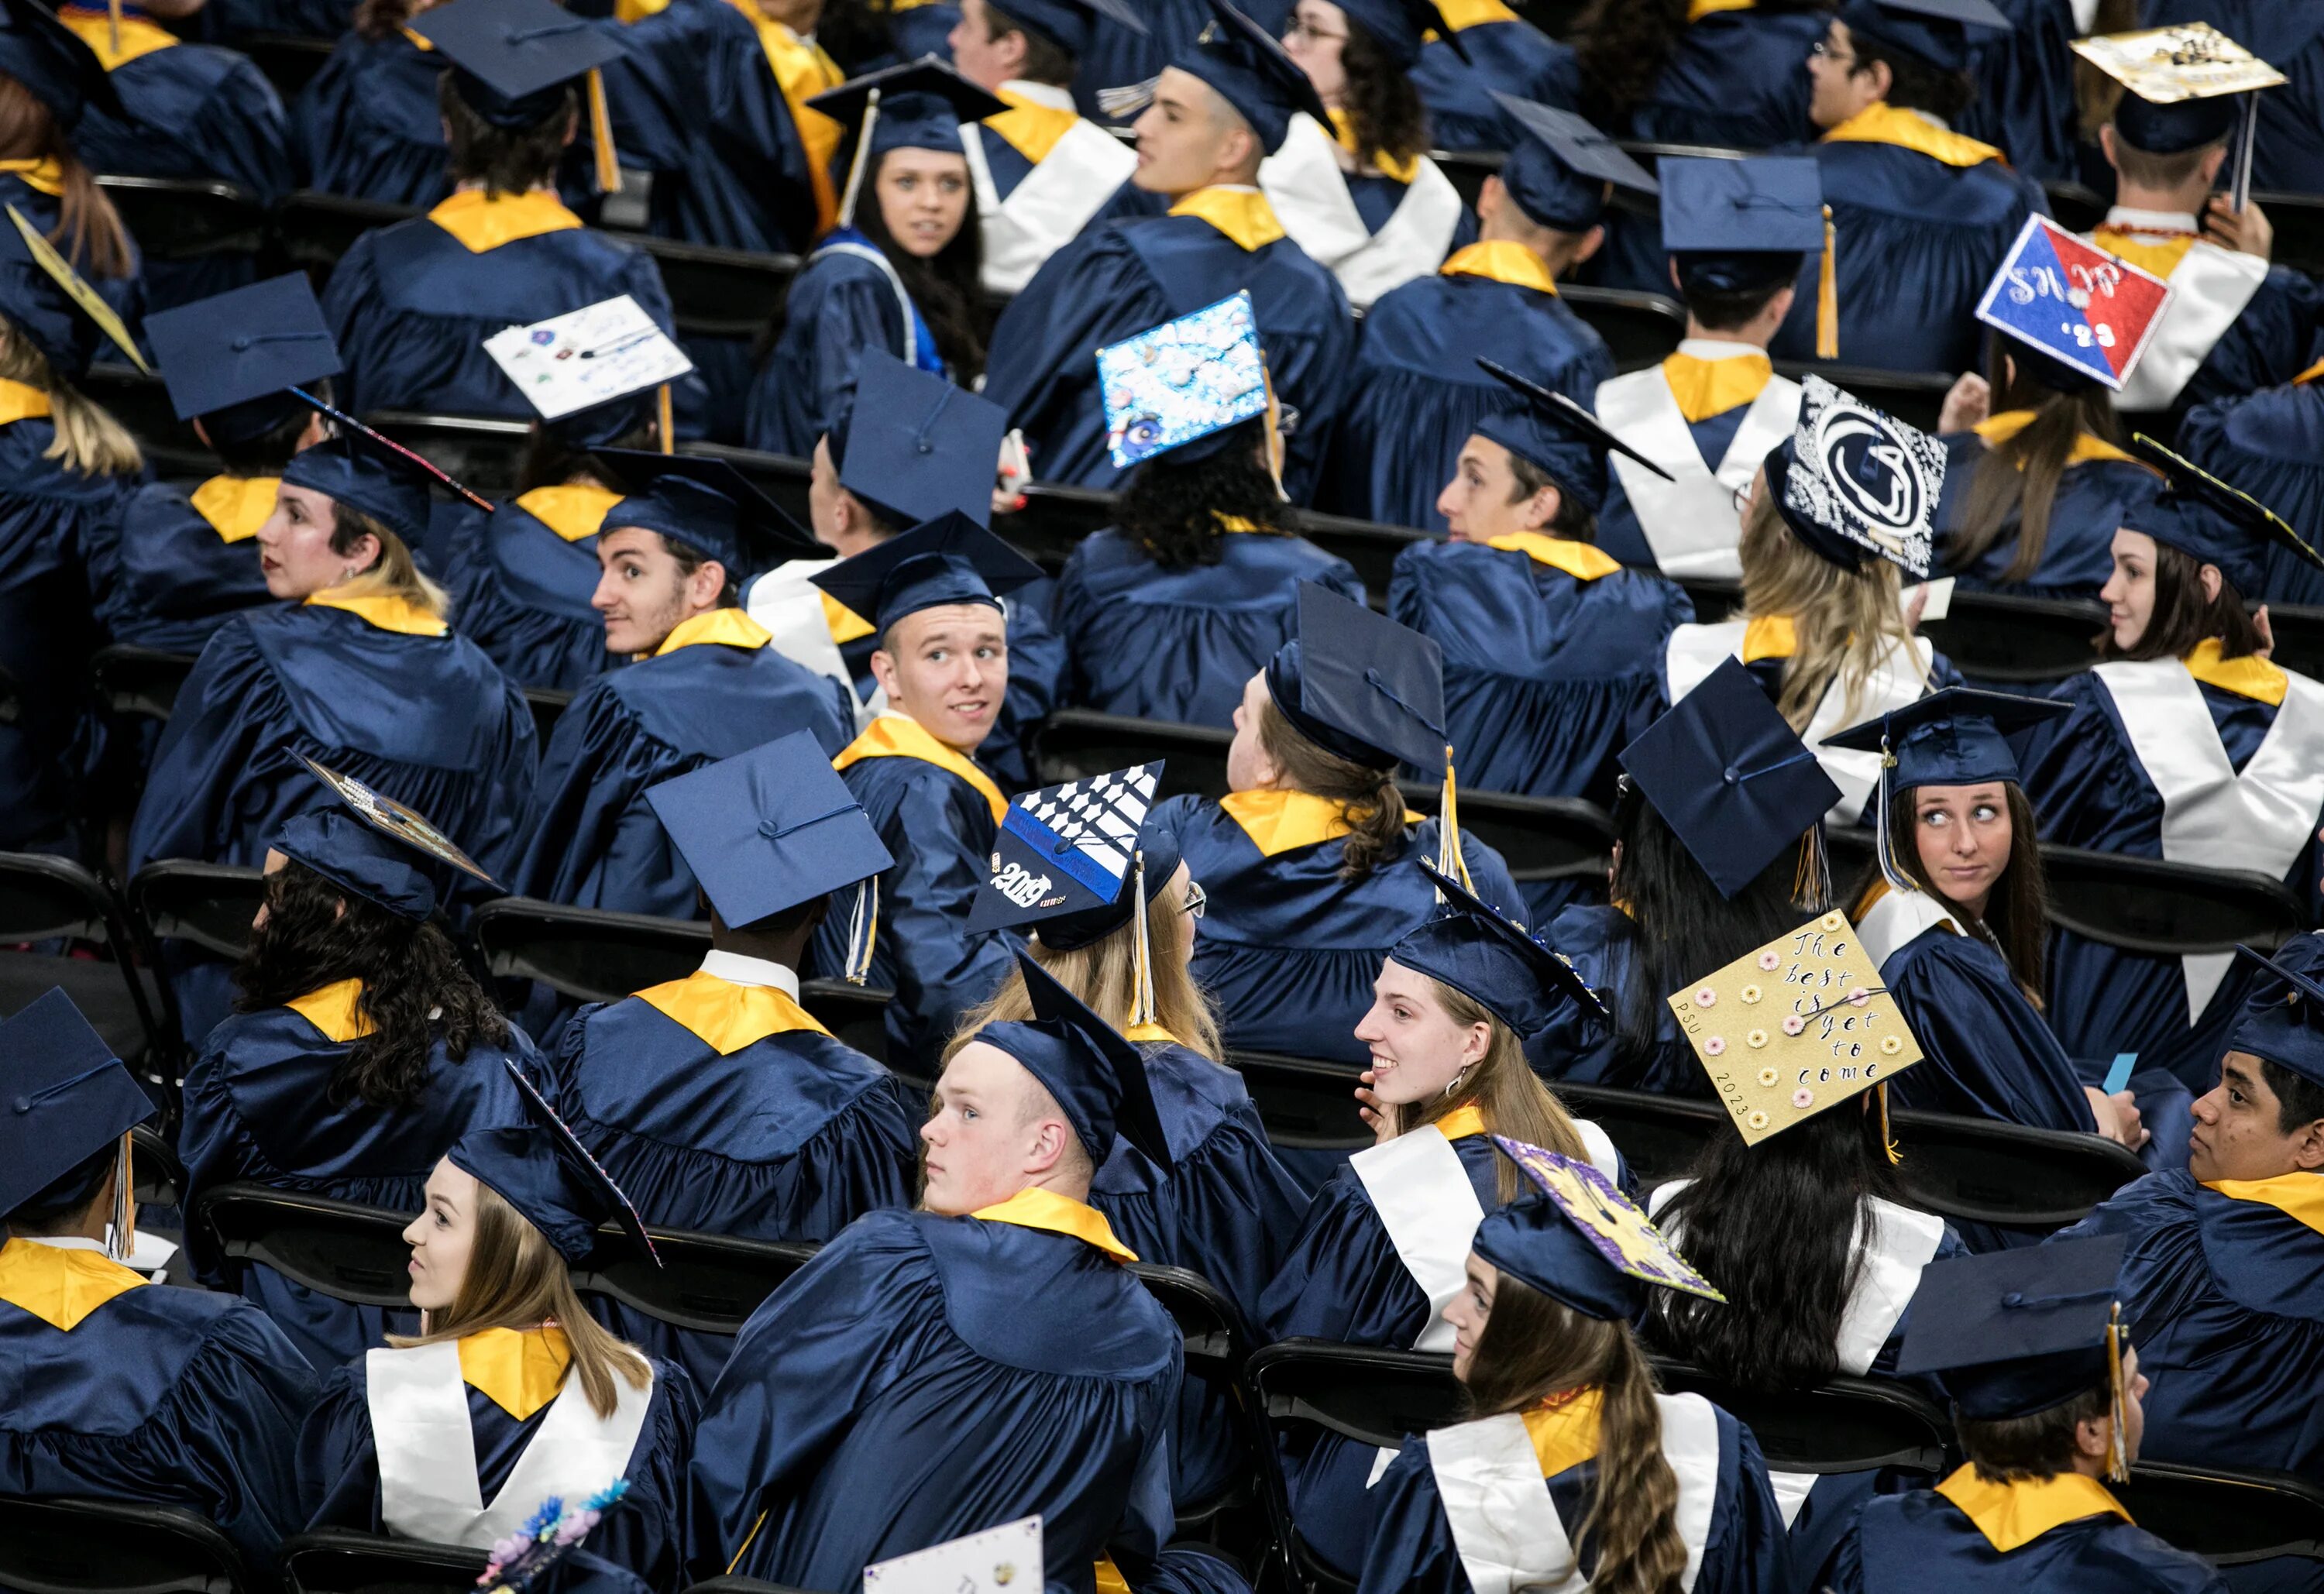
(517, 1280)
(393, 574)
(1503, 1087)
(1845, 622)
(88, 439)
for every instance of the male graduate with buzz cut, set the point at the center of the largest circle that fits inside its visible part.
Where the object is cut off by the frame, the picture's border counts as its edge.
(1225, 103)
(937, 1372)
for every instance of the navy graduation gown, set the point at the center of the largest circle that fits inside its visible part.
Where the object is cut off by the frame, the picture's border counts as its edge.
(1415, 393)
(1286, 948)
(426, 720)
(521, 589)
(790, 1135)
(173, 574)
(2076, 553)
(1202, 633)
(1911, 1543)
(366, 126)
(2225, 1295)
(258, 1108)
(411, 304)
(167, 1396)
(2286, 156)
(2271, 445)
(2025, 100)
(926, 1376)
(1742, 1550)
(839, 305)
(1506, 54)
(593, 840)
(644, 1534)
(1119, 279)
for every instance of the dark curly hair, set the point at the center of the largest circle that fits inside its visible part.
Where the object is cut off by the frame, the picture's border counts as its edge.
(415, 988)
(1171, 508)
(1914, 83)
(1384, 109)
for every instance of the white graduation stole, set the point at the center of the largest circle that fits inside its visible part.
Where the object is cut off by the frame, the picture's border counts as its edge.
(788, 603)
(907, 349)
(2210, 288)
(2258, 820)
(1309, 193)
(1420, 1188)
(1693, 651)
(1690, 521)
(426, 1450)
(1504, 1520)
(1050, 206)
(1896, 919)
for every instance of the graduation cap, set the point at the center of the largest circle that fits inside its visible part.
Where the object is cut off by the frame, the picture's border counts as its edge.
(1580, 1242)
(709, 506)
(950, 560)
(372, 475)
(1399, 27)
(1559, 170)
(55, 65)
(1558, 436)
(63, 1096)
(1729, 777)
(2079, 314)
(1735, 226)
(2016, 1333)
(1247, 68)
(2184, 86)
(1095, 1075)
(1937, 31)
(1070, 24)
(397, 822)
(595, 374)
(514, 59)
(1065, 858)
(769, 829)
(913, 445)
(1183, 384)
(2284, 1019)
(918, 106)
(360, 861)
(1852, 481)
(2212, 523)
(52, 304)
(541, 1169)
(234, 359)
(1472, 947)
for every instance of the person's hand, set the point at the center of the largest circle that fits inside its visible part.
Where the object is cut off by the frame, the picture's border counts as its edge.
(2247, 232)
(2118, 1115)
(1966, 402)
(1007, 501)
(2267, 632)
(1916, 606)
(1377, 1119)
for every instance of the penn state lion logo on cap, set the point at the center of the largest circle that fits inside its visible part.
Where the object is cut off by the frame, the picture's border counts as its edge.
(1866, 475)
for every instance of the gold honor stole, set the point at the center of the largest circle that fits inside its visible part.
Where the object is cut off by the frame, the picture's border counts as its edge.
(899, 736)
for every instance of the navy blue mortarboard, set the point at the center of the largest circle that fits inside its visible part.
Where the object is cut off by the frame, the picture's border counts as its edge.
(1095, 1075)
(357, 858)
(1729, 777)
(1958, 736)
(2284, 1019)
(913, 445)
(2212, 523)
(1853, 482)
(372, 475)
(512, 59)
(233, 358)
(1399, 27)
(950, 560)
(1734, 227)
(1359, 685)
(708, 505)
(1558, 435)
(1249, 71)
(1580, 1242)
(64, 1097)
(370, 872)
(1069, 24)
(1064, 856)
(2172, 129)
(1473, 947)
(769, 829)
(541, 1169)
(1558, 172)
(55, 65)
(1937, 31)
(2015, 1333)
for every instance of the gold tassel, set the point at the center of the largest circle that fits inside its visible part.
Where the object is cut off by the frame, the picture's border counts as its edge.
(1141, 975)
(1828, 296)
(1887, 1138)
(862, 161)
(1448, 841)
(665, 432)
(121, 1232)
(113, 23)
(600, 136)
(862, 930)
(1811, 874)
(2118, 1400)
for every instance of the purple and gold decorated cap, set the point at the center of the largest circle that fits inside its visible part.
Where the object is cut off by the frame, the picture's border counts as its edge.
(541, 1169)
(1581, 1241)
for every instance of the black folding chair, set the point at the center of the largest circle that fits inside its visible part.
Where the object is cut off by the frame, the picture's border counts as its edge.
(1467, 170)
(50, 899)
(777, 476)
(2299, 223)
(317, 228)
(337, 1248)
(2299, 637)
(2016, 640)
(739, 1586)
(2073, 206)
(139, 401)
(1305, 1103)
(549, 705)
(1660, 1137)
(482, 452)
(1847, 1425)
(2164, 909)
(587, 954)
(1054, 521)
(140, 683)
(285, 60)
(1973, 1170)
(1370, 546)
(1073, 743)
(1539, 838)
(188, 218)
(855, 1014)
(83, 1546)
(718, 292)
(210, 905)
(1714, 597)
(341, 1560)
(708, 1283)
(1640, 329)
(1913, 397)
(2227, 1517)
(1215, 1351)
(160, 1177)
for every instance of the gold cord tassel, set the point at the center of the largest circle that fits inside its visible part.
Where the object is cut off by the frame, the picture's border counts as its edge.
(113, 24)
(1141, 976)
(1887, 1138)
(2119, 1400)
(862, 930)
(667, 434)
(121, 1231)
(1811, 874)
(600, 136)
(1449, 860)
(1828, 295)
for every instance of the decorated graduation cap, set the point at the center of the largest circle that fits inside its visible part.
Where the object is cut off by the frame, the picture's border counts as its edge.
(52, 304)
(1558, 435)
(1731, 778)
(769, 829)
(1070, 24)
(236, 358)
(2078, 315)
(2212, 523)
(63, 1096)
(1734, 227)
(1558, 172)
(2283, 1020)
(379, 849)
(1853, 482)
(918, 106)
(541, 1169)
(514, 59)
(950, 560)
(1400, 26)
(1095, 1075)
(913, 445)
(709, 506)
(1185, 385)
(595, 374)
(2184, 86)
(1249, 69)
(1472, 947)
(373, 475)
(2016, 1333)
(1580, 1242)
(1937, 31)
(55, 65)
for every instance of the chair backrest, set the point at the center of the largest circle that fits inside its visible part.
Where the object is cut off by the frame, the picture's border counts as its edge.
(1467, 170)
(484, 452)
(1997, 637)
(708, 1283)
(739, 1586)
(1913, 397)
(1714, 596)
(139, 401)
(1539, 838)
(285, 60)
(2225, 1516)
(185, 219)
(334, 1247)
(1658, 1136)
(856, 1014)
(141, 682)
(1848, 1426)
(84, 1546)
(1641, 329)
(161, 1177)
(2159, 909)
(2299, 223)
(1974, 1170)
(1304, 1103)
(1373, 1395)
(341, 1560)
(317, 228)
(1212, 1328)
(777, 476)
(1369, 546)
(2074, 206)
(588, 953)
(42, 898)
(2299, 637)
(1073, 743)
(1054, 521)
(718, 292)
(210, 905)
(549, 705)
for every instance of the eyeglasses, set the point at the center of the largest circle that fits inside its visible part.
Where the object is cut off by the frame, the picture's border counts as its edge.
(1741, 499)
(1822, 47)
(1197, 900)
(1300, 28)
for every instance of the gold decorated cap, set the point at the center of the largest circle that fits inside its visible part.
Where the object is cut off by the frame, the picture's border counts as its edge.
(2188, 61)
(391, 818)
(1800, 1025)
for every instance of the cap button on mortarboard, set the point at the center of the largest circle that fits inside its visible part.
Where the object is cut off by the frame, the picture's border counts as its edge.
(769, 829)
(1731, 776)
(24, 1104)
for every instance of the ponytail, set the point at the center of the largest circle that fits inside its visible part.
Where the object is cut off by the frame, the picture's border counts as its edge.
(1369, 799)
(2020, 475)
(89, 231)
(89, 440)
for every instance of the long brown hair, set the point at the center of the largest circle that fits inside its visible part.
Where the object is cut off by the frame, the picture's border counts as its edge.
(2019, 477)
(1844, 622)
(1503, 1087)
(1369, 800)
(2184, 617)
(88, 439)
(516, 1280)
(2017, 913)
(89, 233)
(1532, 1347)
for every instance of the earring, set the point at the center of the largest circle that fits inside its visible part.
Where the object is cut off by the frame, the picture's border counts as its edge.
(1454, 1088)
